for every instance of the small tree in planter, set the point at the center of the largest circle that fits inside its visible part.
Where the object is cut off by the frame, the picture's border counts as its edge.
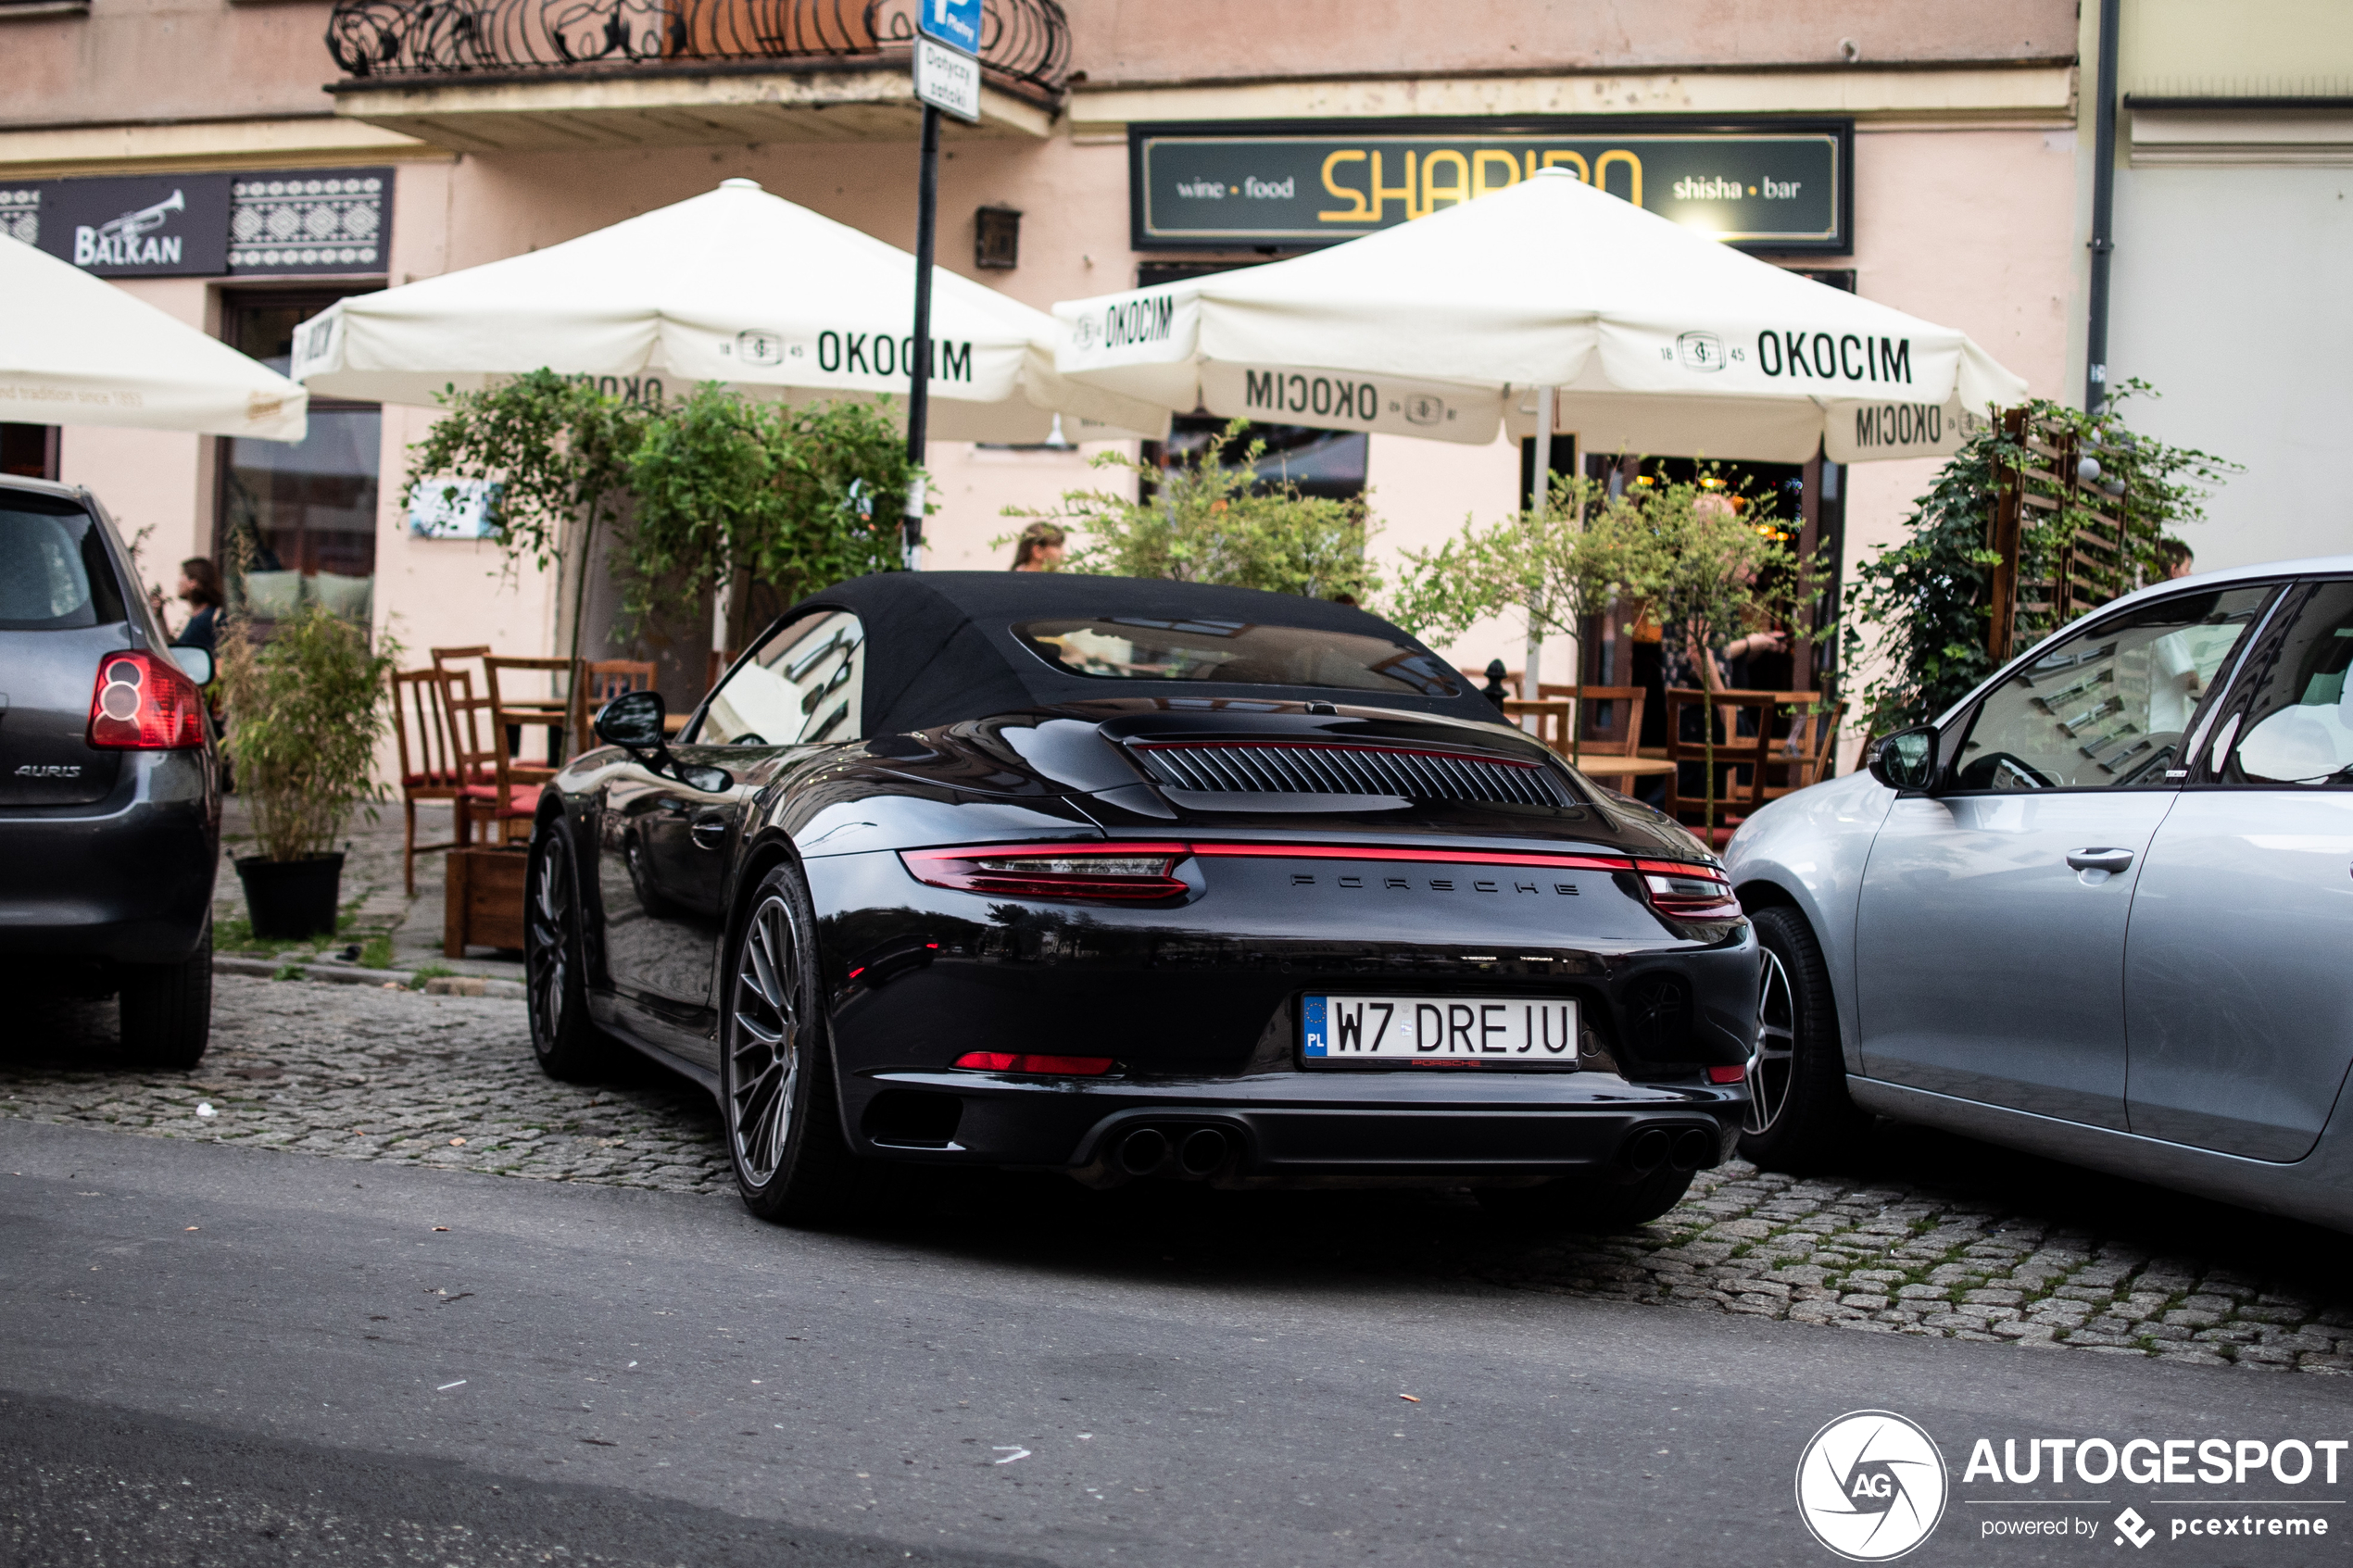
(1212, 519)
(306, 714)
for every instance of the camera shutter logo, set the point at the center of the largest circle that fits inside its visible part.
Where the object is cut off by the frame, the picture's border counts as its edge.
(1871, 1486)
(1700, 351)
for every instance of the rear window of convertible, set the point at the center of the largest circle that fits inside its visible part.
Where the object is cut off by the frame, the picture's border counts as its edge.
(53, 571)
(1113, 647)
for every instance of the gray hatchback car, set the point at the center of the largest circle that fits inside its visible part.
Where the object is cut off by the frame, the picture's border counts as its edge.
(109, 798)
(2102, 909)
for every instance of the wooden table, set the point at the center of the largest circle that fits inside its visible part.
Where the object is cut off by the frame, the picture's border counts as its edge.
(1615, 767)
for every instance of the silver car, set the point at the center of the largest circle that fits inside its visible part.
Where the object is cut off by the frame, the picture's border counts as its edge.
(2102, 909)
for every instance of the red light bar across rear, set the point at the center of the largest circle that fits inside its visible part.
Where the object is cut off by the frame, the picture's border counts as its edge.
(1011, 1062)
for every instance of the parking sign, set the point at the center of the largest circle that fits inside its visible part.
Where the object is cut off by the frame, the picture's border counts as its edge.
(953, 22)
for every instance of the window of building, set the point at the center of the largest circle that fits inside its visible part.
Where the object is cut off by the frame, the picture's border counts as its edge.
(295, 522)
(29, 451)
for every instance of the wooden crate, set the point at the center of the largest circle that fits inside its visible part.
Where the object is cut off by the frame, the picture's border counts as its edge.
(485, 899)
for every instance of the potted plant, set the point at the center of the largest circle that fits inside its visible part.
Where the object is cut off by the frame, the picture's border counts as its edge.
(306, 714)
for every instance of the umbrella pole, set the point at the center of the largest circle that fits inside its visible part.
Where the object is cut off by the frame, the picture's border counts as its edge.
(919, 380)
(1540, 472)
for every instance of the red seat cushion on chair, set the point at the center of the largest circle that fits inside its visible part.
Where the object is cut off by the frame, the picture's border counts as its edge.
(523, 800)
(447, 779)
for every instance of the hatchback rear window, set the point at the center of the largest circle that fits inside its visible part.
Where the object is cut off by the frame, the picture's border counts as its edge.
(1130, 648)
(53, 571)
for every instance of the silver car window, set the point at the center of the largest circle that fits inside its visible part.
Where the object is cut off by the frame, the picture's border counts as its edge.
(2296, 723)
(804, 684)
(2105, 707)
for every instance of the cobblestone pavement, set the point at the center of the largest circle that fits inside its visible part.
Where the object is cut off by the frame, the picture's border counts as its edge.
(1930, 1235)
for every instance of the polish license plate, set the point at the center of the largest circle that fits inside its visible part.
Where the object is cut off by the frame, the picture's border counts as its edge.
(1340, 1031)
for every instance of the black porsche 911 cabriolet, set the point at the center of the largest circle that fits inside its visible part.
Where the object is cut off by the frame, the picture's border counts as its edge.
(1137, 879)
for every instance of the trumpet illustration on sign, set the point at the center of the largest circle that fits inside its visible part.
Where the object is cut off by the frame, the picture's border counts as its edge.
(130, 240)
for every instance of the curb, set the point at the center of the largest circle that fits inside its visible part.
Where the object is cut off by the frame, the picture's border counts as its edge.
(351, 974)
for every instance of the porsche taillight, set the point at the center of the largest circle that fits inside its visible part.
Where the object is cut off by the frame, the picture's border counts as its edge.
(1126, 872)
(1688, 892)
(145, 703)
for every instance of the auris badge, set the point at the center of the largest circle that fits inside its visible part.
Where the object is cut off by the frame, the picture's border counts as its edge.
(1870, 1485)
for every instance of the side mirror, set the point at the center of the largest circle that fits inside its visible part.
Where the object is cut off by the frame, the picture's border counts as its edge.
(195, 663)
(1905, 762)
(633, 721)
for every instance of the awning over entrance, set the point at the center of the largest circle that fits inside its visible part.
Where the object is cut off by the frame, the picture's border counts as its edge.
(76, 350)
(735, 285)
(1658, 339)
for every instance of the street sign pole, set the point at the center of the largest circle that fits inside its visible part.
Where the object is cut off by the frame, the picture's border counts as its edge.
(919, 380)
(946, 62)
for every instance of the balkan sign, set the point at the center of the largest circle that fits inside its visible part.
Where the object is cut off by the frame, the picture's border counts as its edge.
(1776, 186)
(154, 226)
(291, 222)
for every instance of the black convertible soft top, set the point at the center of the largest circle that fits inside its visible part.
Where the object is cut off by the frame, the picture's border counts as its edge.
(940, 646)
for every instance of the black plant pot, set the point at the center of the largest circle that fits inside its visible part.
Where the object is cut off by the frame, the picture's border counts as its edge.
(291, 899)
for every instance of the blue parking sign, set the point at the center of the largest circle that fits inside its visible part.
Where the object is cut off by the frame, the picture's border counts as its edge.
(953, 22)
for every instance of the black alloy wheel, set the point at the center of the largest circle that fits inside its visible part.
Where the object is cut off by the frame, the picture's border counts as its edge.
(778, 1090)
(1769, 1073)
(564, 1038)
(1800, 1117)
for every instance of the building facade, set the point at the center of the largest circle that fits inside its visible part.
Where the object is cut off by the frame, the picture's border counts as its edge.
(341, 145)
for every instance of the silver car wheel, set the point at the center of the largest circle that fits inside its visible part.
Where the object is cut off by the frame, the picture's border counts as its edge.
(763, 1045)
(1770, 1072)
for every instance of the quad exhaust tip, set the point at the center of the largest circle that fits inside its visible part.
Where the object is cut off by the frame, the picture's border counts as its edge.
(1193, 1153)
(1142, 1152)
(1684, 1149)
(1203, 1152)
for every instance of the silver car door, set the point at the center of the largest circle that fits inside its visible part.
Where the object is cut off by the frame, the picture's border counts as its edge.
(1991, 926)
(2236, 1005)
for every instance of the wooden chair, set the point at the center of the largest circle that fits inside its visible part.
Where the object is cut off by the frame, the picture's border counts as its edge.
(1803, 755)
(561, 713)
(1551, 720)
(499, 790)
(1735, 783)
(428, 766)
(1609, 723)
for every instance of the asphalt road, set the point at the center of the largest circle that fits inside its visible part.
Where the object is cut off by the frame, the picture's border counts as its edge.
(226, 1356)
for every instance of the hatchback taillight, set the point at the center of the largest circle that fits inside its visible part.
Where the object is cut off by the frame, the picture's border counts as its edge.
(1127, 871)
(143, 702)
(1688, 892)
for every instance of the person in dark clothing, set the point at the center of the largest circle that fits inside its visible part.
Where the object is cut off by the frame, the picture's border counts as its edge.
(200, 588)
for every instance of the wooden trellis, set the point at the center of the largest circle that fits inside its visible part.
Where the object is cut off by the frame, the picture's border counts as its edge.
(2091, 566)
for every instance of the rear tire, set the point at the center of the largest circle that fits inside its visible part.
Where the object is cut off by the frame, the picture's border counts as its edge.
(778, 1094)
(569, 1045)
(1800, 1117)
(166, 1009)
(1596, 1204)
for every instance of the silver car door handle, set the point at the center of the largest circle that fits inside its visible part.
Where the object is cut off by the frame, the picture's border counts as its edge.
(711, 832)
(2099, 860)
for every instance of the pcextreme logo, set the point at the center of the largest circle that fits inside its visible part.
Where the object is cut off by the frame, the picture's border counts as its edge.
(1870, 1485)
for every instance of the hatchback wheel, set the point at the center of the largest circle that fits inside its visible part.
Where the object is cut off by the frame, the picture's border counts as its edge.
(1799, 1116)
(566, 1041)
(777, 1089)
(166, 1009)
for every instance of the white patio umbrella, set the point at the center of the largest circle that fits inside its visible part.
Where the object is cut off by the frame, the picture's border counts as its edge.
(735, 285)
(76, 350)
(1654, 338)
